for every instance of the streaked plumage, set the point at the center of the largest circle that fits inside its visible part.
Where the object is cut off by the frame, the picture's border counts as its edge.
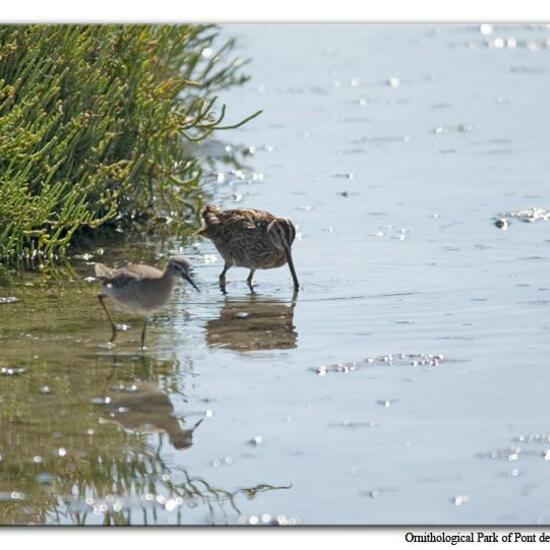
(140, 289)
(246, 237)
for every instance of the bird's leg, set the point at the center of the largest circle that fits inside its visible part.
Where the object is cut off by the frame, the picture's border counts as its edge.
(101, 297)
(111, 373)
(222, 277)
(250, 280)
(143, 333)
(292, 270)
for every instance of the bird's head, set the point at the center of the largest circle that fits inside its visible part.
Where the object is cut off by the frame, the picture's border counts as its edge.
(178, 265)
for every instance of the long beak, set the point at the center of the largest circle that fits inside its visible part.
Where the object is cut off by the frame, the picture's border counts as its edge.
(197, 425)
(292, 270)
(190, 281)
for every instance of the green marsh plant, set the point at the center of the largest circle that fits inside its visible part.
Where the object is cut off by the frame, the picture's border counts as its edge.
(95, 127)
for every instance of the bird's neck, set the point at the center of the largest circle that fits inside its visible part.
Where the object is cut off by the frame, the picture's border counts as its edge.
(168, 275)
(168, 279)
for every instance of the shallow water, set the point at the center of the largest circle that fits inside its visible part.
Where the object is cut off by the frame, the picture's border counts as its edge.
(395, 149)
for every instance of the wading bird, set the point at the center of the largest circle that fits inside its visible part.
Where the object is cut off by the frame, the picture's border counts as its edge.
(249, 238)
(140, 289)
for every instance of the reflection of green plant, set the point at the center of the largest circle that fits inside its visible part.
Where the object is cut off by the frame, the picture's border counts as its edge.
(69, 465)
(123, 469)
(262, 488)
(13, 408)
(93, 123)
(58, 449)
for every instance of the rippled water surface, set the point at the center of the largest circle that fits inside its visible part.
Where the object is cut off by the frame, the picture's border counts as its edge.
(408, 380)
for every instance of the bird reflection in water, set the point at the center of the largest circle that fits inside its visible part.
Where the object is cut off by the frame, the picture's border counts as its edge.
(253, 323)
(143, 408)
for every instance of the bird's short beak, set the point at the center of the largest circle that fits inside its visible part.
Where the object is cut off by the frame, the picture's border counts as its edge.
(190, 281)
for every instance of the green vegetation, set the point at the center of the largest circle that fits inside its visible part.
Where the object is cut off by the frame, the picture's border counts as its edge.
(94, 123)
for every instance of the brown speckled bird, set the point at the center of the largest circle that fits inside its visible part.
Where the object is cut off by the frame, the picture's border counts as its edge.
(140, 289)
(246, 237)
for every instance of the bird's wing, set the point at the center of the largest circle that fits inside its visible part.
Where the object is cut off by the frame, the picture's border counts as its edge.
(241, 220)
(249, 218)
(137, 272)
(124, 275)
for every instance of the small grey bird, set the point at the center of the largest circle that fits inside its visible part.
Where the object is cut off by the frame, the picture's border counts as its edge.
(140, 289)
(246, 237)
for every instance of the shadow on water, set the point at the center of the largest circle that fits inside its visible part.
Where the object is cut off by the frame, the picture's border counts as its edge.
(253, 323)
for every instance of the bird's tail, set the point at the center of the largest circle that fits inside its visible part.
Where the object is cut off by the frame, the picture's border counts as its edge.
(210, 217)
(282, 233)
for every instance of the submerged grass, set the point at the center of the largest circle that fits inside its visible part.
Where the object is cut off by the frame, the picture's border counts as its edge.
(94, 122)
